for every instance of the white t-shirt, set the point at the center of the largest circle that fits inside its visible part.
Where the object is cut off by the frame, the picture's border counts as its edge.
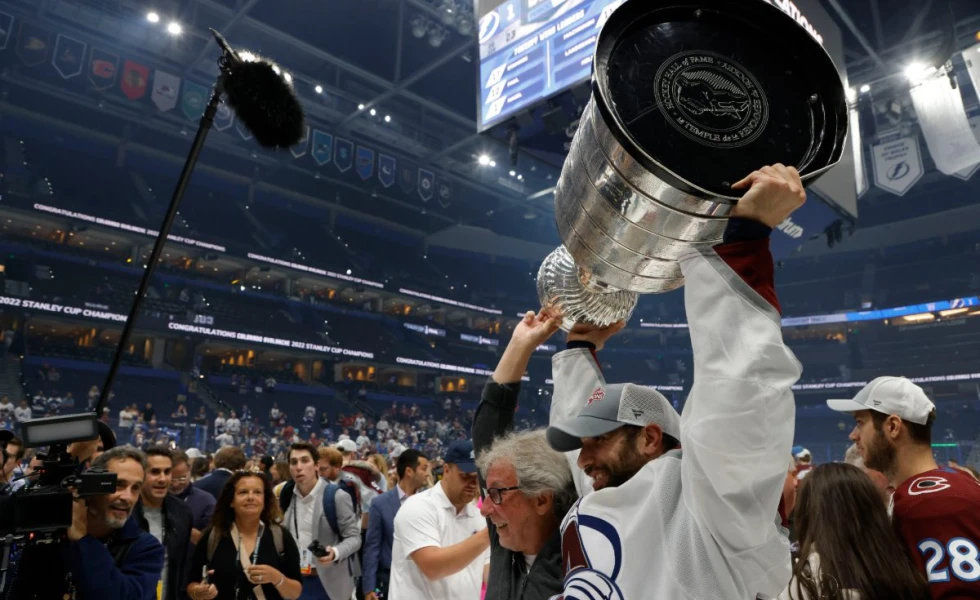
(125, 418)
(233, 425)
(219, 425)
(154, 518)
(362, 440)
(310, 412)
(382, 425)
(7, 410)
(22, 414)
(425, 520)
(224, 439)
(343, 437)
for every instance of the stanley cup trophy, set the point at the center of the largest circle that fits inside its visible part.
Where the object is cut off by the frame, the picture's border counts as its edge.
(688, 97)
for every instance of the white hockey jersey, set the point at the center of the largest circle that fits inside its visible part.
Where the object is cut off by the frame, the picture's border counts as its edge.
(697, 523)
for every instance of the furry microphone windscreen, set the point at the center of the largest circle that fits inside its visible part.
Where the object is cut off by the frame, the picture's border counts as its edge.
(265, 102)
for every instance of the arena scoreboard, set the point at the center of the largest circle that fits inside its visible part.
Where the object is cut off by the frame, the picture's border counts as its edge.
(534, 49)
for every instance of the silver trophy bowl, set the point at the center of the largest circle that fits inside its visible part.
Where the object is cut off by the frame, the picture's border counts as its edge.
(685, 102)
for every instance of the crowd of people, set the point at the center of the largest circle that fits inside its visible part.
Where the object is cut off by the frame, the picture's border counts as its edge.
(619, 498)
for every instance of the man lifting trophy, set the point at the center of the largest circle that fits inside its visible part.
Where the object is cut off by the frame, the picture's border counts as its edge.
(688, 98)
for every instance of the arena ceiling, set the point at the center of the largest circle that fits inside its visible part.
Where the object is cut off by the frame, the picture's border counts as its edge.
(415, 61)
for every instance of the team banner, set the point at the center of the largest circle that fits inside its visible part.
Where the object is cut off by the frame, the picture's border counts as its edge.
(33, 45)
(301, 147)
(942, 118)
(103, 69)
(974, 118)
(193, 100)
(166, 87)
(343, 157)
(406, 178)
(243, 131)
(444, 191)
(897, 164)
(365, 162)
(427, 184)
(6, 28)
(322, 147)
(224, 118)
(860, 174)
(68, 56)
(386, 170)
(134, 80)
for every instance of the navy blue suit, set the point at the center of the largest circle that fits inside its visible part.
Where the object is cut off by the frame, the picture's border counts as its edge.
(214, 482)
(379, 538)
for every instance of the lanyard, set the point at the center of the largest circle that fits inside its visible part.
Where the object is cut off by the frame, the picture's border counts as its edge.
(258, 541)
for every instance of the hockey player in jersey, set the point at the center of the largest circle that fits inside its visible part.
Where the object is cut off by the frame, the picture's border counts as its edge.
(936, 511)
(699, 521)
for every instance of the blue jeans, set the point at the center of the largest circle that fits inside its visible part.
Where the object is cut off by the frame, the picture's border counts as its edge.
(313, 589)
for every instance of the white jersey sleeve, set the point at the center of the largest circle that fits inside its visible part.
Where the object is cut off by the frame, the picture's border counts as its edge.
(576, 375)
(737, 424)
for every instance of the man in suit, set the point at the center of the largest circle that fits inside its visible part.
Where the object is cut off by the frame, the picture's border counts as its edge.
(331, 577)
(227, 460)
(413, 472)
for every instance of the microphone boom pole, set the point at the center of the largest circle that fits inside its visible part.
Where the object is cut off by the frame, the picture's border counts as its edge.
(207, 120)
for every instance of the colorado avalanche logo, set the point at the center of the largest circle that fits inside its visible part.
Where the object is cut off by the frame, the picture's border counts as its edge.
(597, 395)
(929, 484)
(593, 556)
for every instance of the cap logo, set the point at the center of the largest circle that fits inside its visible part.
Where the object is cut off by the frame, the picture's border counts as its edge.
(637, 413)
(597, 395)
(876, 402)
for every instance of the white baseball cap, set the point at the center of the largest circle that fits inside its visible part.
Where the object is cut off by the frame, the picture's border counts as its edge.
(346, 446)
(890, 396)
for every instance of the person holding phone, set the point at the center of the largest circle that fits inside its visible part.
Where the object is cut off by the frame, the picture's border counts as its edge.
(245, 554)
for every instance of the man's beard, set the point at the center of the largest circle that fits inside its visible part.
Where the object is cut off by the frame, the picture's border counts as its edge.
(881, 454)
(114, 522)
(628, 464)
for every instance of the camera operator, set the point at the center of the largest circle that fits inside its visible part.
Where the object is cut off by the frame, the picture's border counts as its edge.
(13, 454)
(106, 555)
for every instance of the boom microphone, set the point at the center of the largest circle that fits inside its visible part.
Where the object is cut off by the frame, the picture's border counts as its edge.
(259, 93)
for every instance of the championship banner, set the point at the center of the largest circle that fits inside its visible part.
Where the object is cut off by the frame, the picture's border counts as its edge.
(243, 131)
(427, 184)
(343, 157)
(6, 28)
(33, 45)
(406, 178)
(974, 119)
(302, 146)
(860, 174)
(365, 162)
(68, 55)
(971, 56)
(193, 100)
(444, 191)
(166, 87)
(386, 170)
(103, 69)
(897, 165)
(322, 147)
(942, 117)
(224, 118)
(134, 80)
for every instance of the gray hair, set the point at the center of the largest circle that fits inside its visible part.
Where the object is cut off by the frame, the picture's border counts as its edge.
(120, 453)
(540, 469)
(853, 457)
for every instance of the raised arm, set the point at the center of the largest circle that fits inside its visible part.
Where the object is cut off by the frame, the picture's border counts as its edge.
(576, 375)
(495, 414)
(737, 425)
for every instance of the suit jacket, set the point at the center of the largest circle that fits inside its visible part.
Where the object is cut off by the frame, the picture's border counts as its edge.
(338, 578)
(177, 537)
(214, 482)
(380, 537)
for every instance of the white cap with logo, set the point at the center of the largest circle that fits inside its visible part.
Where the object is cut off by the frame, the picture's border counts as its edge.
(891, 396)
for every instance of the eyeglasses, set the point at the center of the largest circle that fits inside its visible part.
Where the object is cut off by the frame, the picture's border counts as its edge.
(180, 479)
(496, 495)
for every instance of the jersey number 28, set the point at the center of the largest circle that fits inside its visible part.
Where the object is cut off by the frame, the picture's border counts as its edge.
(964, 559)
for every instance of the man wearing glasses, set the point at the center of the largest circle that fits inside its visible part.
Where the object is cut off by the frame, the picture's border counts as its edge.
(200, 503)
(527, 486)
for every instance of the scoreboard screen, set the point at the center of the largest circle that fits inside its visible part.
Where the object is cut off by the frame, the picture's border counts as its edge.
(534, 49)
